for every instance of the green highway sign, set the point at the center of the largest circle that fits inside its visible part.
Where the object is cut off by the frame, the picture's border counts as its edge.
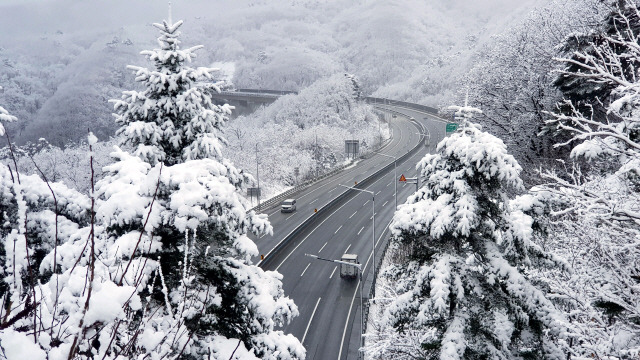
(451, 127)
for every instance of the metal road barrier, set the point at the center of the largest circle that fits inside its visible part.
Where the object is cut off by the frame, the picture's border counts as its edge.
(271, 92)
(382, 101)
(324, 211)
(284, 195)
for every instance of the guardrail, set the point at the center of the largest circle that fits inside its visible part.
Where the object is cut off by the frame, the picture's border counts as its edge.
(273, 92)
(276, 199)
(284, 195)
(324, 211)
(366, 303)
(383, 101)
(368, 99)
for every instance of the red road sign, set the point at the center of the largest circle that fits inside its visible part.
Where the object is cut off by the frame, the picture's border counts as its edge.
(402, 178)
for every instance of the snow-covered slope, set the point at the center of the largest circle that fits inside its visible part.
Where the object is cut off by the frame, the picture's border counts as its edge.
(63, 59)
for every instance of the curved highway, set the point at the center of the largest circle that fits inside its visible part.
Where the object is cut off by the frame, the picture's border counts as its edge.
(329, 321)
(406, 136)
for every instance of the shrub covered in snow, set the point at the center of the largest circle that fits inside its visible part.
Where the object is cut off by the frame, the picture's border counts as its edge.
(595, 215)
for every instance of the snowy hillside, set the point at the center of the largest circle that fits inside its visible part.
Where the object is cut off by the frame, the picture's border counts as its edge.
(60, 68)
(125, 228)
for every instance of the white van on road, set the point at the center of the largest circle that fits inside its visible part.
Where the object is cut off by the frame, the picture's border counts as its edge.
(288, 205)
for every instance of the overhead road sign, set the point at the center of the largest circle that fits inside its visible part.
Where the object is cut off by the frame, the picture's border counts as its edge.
(451, 127)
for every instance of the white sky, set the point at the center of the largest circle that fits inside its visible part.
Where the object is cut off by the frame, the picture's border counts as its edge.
(36, 17)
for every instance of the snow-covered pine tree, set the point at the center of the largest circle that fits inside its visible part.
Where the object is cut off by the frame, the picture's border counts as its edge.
(357, 88)
(172, 119)
(461, 281)
(182, 195)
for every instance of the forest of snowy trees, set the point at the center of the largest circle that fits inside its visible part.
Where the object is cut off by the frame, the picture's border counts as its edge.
(479, 267)
(523, 241)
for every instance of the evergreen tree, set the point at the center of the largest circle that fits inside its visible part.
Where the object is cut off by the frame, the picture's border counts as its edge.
(172, 119)
(184, 194)
(462, 279)
(357, 88)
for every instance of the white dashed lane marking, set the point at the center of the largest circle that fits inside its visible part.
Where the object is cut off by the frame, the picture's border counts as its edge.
(334, 270)
(305, 269)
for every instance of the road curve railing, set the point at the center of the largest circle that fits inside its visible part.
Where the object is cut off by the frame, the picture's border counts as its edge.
(270, 202)
(382, 101)
(325, 210)
(369, 99)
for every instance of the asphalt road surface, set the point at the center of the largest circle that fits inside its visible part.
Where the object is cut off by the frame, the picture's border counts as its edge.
(329, 321)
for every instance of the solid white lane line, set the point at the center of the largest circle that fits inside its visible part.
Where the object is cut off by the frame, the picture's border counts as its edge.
(274, 212)
(311, 319)
(325, 244)
(385, 203)
(305, 269)
(352, 214)
(346, 323)
(289, 217)
(330, 191)
(348, 247)
(360, 230)
(338, 229)
(313, 201)
(333, 272)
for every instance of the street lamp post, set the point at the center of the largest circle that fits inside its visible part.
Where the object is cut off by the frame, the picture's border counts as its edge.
(373, 218)
(359, 267)
(395, 177)
(258, 176)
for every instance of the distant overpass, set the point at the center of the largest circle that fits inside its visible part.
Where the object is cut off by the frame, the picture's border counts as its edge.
(248, 100)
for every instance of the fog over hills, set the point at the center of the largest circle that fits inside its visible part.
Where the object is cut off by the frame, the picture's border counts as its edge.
(64, 59)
